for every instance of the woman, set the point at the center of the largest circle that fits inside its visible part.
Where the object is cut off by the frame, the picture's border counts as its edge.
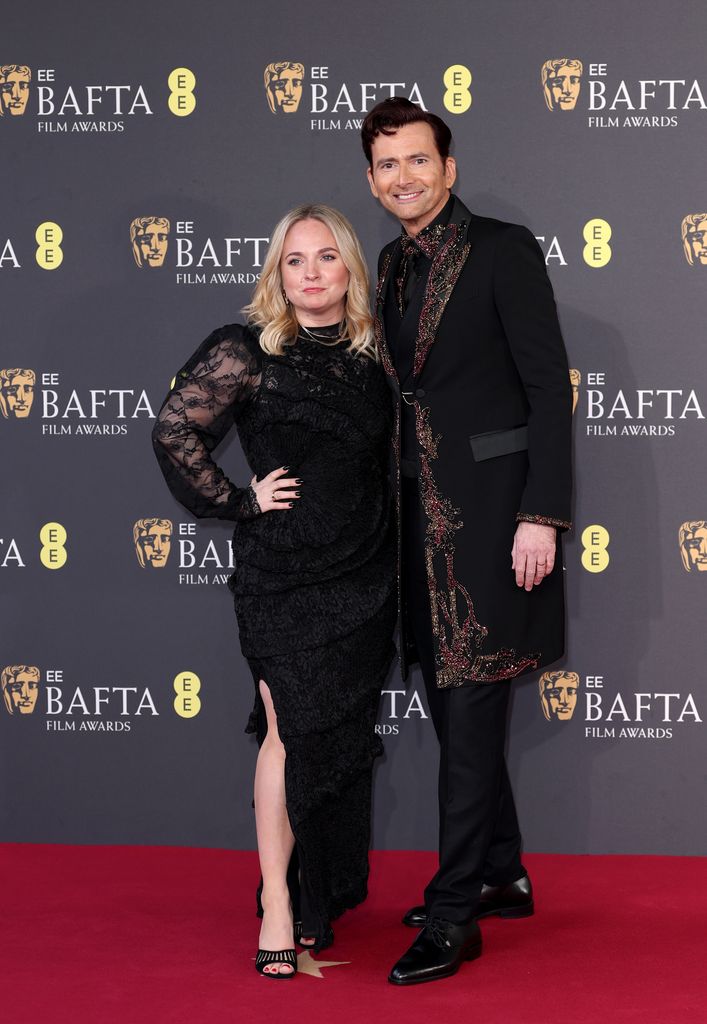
(314, 543)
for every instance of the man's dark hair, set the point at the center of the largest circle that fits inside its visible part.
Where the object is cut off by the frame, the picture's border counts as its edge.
(389, 115)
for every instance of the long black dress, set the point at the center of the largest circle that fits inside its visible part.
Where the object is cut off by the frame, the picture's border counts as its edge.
(314, 586)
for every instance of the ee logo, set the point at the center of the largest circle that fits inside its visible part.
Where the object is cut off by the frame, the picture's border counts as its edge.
(52, 553)
(181, 84)
(187, 703)
(457, 98)
(595, 540)
(597, 251)
(49, 237)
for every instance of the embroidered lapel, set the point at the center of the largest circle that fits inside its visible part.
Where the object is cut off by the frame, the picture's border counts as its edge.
(385, 281)
(447, 265)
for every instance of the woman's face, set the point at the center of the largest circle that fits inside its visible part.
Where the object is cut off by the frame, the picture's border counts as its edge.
(314, 276)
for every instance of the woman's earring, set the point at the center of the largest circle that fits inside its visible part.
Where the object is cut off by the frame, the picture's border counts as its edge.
(284, 295)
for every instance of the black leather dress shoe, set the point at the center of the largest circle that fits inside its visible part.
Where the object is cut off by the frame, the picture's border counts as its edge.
(438, 952)
(513, 900)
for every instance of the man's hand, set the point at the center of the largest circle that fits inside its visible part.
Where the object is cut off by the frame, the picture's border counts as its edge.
(533, 553)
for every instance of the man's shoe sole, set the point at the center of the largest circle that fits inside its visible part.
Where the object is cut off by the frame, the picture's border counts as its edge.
(472, 953)
(527, 910)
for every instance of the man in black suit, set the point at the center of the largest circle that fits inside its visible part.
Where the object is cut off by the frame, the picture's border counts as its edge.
(467, 331)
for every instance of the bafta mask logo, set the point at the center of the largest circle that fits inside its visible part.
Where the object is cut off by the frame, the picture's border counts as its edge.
(153, 540)
(561, 80)
(694, 238)
(14, 89)
(20, 688)
(149, 237)
(575, 381)
(16, 393)
(283, 86)
(558, 695)
(693, 545)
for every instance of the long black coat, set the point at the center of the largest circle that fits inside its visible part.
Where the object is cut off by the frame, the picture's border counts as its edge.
(492, 410)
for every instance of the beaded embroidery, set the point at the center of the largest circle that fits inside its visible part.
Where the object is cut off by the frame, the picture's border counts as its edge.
(562, 524)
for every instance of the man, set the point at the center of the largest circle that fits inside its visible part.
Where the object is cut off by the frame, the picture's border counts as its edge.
(468, 335)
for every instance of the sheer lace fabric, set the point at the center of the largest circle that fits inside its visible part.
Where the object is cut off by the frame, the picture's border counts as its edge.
(313, 589)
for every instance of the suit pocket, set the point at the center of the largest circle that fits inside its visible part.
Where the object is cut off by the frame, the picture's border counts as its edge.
(499, 442)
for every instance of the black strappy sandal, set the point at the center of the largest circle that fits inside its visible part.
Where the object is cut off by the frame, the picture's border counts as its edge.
(266, 957)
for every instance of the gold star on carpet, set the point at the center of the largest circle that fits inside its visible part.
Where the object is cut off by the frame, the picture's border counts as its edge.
(306, 964)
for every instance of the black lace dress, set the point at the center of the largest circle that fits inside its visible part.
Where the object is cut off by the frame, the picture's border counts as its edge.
(314, 586)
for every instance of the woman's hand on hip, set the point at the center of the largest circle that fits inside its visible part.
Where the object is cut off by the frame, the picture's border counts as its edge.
(276, 490)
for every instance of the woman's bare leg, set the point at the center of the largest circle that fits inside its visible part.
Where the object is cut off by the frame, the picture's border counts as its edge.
(275, 839)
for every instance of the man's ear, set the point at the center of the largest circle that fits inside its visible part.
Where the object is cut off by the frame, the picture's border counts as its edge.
(450, 171)
(371, 182)
(3, 406)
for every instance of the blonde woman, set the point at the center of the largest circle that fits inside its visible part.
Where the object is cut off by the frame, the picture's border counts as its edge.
(314, 590)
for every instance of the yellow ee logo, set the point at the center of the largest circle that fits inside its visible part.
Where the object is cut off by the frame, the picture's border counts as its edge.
(49, 236)
(597, 251)
(53, 553)
(187, 703)
(457, 98)
(181, 84)
(595, 540)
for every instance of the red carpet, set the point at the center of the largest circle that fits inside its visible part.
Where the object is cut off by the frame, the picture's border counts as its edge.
(167, 935)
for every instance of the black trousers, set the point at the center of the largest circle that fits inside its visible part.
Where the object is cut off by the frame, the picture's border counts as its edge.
(479, 837)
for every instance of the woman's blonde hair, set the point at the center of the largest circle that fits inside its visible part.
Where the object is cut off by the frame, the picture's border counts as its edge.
(268, 309)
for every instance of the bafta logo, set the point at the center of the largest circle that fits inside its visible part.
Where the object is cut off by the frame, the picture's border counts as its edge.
(558, 695)
(20, 688)
(149, 237)
(561, 80)
(575, 381)
(153, 540)
(283, 86)
(16, 393)
(14, 89)
(694, 238)
(692, 537)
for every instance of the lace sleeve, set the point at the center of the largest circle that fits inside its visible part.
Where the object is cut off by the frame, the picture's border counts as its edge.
(209, 393)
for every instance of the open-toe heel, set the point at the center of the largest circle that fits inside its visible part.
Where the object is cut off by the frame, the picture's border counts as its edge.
(267, 958)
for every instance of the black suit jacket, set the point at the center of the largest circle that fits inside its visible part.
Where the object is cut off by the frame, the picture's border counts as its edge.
(491, 419)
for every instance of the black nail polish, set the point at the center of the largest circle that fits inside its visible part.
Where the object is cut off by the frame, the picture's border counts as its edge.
(286, 469)
(298, 481)
(296, 494)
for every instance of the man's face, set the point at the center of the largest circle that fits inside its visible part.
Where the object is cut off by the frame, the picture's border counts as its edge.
(156, 544)
(21, 693)
(19, 395)
(287, 90)
(560, 696)
(695, 548)
(698, 242)
(408, 175)
(15, 92)
(564, 87)
(153, 245)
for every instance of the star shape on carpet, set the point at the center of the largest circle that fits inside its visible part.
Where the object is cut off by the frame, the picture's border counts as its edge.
(306, 964)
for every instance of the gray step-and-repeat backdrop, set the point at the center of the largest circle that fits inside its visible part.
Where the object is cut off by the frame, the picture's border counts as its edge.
(148, 149)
